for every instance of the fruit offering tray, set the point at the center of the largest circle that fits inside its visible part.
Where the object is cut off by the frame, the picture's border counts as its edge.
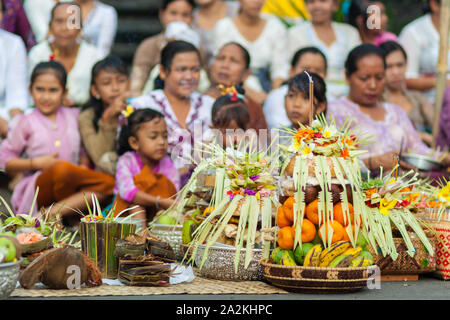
(317, 279)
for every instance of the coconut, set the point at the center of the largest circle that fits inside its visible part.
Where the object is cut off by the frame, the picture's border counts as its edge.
(56, 266)
(289, 171)
(311, 193)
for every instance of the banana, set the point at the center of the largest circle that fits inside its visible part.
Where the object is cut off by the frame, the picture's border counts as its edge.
(287, 258)
(189, 227)
(354, 252)
(361, 261)
(275, 255)
(335, 250)
(341, 261)
(312, 258)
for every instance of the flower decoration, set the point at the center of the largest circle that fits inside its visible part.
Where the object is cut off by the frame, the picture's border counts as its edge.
(386, 205)
(324, 139)
(128, 111)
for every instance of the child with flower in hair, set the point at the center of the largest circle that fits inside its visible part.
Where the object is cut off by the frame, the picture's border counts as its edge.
(145, 176)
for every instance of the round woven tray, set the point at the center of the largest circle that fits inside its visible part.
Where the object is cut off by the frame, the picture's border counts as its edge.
(422, 262)
(219, 264)
(316, 279)
(171, 234)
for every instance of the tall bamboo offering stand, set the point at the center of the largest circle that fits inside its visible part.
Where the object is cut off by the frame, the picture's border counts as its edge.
(228, 243)
(328, 238)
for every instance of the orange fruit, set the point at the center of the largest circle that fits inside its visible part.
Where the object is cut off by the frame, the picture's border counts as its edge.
(282, 221)
(338, 231)
(308, 231)
(346, 237)
(312, 211)
(289, 203)
(208, 210)
(338, 214)
(286, 238)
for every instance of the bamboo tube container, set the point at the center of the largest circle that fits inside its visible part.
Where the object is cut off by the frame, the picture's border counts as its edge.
(441, 79)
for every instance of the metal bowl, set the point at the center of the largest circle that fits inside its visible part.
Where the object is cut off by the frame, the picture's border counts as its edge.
(171, 233)
(9, 274)
(421, 162)
(219, 264)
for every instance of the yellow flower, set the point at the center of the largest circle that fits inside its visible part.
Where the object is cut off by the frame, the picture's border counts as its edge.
(444, 194)
(129, 110)
(307, 150)
(386, 205)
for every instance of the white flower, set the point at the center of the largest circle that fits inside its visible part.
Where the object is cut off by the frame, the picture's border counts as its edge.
(307, 150)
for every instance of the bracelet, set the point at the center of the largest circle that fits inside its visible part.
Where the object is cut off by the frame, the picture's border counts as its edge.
(157, 202)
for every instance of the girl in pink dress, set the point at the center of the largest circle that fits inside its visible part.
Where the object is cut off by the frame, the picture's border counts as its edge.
(45, 146)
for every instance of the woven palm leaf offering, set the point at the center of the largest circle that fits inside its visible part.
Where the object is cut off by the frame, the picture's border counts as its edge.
(206, 186)
(323, 224)
(99, 234)
(228, 243)
(36, 233)
(393, 203)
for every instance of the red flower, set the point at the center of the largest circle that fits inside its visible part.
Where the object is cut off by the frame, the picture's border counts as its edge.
(52, 57)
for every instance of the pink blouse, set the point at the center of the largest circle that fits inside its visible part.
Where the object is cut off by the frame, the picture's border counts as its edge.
(130, 164)
(34, 135)
(386, 135)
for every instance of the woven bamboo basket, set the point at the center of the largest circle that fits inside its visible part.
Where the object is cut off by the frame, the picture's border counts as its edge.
(317, 280)
(171, 234)
(422, 262)
(219, 264)
(98, 242)
(441, 231)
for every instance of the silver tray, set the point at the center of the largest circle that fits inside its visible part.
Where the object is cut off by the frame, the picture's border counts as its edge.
(421, 162)
(9, 274)
(219, 264)
(171, 233)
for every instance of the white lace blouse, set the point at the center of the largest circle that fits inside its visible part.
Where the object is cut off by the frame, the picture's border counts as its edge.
(268, 51)
(13, 75)
(347, 37)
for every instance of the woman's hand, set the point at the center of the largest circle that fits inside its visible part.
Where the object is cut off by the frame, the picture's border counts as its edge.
(165, 203)
(112, 113)
(386, 161)
(44, 162)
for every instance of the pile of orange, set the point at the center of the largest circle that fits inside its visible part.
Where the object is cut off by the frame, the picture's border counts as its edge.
(310, 224)
(285, 220)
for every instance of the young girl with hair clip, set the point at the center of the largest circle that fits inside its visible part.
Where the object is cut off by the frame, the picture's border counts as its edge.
(98, 122)
(230, 116)
(45, 146)
(145, 175)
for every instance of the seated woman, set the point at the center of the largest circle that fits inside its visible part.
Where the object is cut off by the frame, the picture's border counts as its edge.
(99, 24)
(145, 176)
(148, 53)
(364, 15)
(334, 39)
(386, 124)
(13, 79)
(420, 39)
(13, 19)
(415, 104)
(263, 37)
(45, 146)
(99, 120)
(205, 16)
(310, 59)
(65, 46)
(177, 30)
(182, 106)
(230, 67)
(443, 136)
